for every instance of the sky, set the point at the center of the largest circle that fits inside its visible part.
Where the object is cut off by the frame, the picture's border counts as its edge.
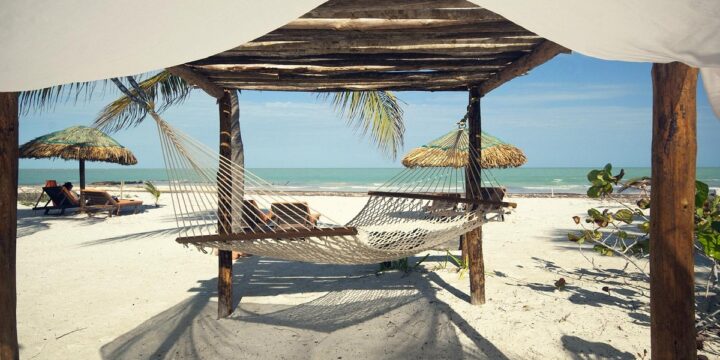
(573, 111)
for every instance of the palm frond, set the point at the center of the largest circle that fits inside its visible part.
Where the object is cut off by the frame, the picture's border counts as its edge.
(165, 88)
(377, 113)
(48, 98)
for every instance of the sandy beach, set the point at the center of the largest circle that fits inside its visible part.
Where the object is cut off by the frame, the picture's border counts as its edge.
(120, 287)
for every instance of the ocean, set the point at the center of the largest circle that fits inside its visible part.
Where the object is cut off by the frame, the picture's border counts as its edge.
(520, 180)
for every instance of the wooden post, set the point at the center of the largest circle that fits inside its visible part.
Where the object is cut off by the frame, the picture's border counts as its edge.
(473, 239)
(672, 204)
(238, 172)
(225, 291)
(8, 224)
(82, 174)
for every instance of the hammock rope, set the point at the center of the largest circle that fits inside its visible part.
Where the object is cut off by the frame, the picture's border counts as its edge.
(219, 204)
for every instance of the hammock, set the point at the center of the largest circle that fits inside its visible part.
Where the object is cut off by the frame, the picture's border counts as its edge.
(221, 205)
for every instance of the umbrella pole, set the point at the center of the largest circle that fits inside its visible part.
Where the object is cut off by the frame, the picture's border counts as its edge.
(82, 184)
(82, 175)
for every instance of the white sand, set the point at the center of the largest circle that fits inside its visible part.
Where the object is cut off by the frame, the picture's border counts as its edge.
(122, 288)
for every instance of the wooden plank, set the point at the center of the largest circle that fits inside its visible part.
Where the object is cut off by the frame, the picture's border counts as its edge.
(225, 291)
(475, 201)
(322, 49)
(356, 77)
(539, 55)
(343, 87)
(347, 69)
(674, 152)
(8, 224)
(277, 234)
(363, 24)
(473, 183)
(357, 59)
(385, 11)
(198, 80)
(387, 44)
(464, 31)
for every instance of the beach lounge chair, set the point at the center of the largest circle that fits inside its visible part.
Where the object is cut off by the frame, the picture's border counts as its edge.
(99, 200)
(444, 207)
(290, 215)
(494, 194)
(254, 217)
(60, 198)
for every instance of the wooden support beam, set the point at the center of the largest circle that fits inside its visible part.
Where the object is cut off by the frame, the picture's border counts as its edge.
(473, 182)
(386, 12)
(334, 87)
(197, 79)
(472, 31)
(467, 200)
(674, 152)
(225, 291)
(322, 49)
(8, 225)
(405, 77)
(363, 24)
(358, 59)
(277, 234)
(539, 55)
(469, 66)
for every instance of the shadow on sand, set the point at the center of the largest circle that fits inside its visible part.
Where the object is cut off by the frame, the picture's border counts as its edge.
(361, 315)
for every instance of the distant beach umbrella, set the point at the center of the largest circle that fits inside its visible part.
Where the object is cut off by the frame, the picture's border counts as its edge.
(78, 143)
(451, 150)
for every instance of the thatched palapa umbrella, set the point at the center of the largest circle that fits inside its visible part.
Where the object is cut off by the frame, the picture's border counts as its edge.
(78, 143)
(451, 150)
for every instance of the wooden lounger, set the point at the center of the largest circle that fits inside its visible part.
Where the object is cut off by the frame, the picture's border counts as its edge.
(101, 200)
(288, 215)
(60, 198)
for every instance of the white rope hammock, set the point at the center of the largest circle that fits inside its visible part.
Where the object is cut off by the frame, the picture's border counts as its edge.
(221, 205)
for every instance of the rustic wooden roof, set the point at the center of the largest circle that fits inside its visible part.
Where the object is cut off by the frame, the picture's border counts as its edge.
(380, 45)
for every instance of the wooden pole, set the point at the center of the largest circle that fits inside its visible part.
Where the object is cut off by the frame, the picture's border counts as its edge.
(82, 174)
(8, 224)
(225, 292)
(238, 158)
(473, 183)
(674, 151)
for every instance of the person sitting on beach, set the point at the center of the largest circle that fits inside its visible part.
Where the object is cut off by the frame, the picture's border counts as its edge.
(68, 187)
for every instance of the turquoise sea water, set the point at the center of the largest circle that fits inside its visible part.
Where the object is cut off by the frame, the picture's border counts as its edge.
(521, 180)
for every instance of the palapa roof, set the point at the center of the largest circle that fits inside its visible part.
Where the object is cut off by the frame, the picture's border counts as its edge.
(78, 143)
(451, 150)
(378, 45)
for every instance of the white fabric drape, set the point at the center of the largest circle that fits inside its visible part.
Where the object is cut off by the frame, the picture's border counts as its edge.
(637, 30)
(46, 42)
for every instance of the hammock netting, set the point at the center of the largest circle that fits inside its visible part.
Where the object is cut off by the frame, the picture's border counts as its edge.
(221, 205)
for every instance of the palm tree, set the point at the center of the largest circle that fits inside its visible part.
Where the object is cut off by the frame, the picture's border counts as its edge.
(377, 113)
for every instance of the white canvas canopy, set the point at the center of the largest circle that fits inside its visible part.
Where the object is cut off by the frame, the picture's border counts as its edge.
(47, 43)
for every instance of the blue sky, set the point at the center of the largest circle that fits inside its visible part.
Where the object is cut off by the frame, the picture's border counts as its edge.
(571, 111)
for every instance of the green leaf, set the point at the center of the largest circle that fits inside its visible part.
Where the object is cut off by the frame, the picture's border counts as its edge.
(573, 237)
(710, 243)
(608, 168)
(702, 191)
(643, 203)
(622, 234)
(644, 227)
(625, 216)
(594, 175)
(374, 113)
(595, 214)
(594, 192)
